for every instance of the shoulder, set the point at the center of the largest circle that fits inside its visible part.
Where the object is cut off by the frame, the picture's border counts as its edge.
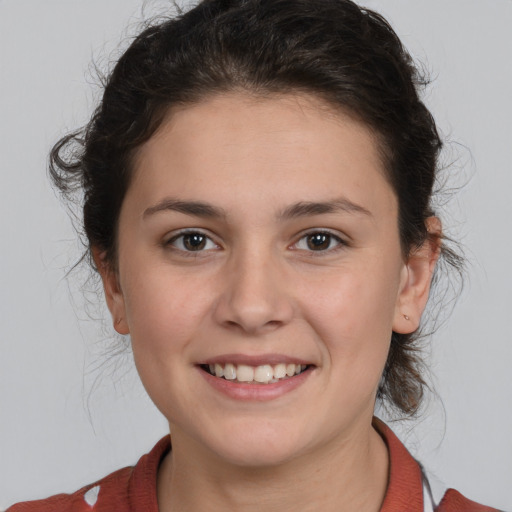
(112, 487)
(447, 500)
(453, 501)
(409, 487)
(124, 490)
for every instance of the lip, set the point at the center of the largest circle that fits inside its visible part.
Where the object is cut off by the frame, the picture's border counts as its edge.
(254, 360)
(245, 391)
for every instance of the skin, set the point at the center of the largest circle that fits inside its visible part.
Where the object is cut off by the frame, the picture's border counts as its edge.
(258, 289)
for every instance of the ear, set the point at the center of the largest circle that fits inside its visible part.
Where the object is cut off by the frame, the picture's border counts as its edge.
(416, 279)
(113, 293)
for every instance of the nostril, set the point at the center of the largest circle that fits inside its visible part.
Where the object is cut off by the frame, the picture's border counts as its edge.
(248, 326)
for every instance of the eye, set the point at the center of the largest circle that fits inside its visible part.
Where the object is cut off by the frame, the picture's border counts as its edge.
(192, 241)
(319, 241)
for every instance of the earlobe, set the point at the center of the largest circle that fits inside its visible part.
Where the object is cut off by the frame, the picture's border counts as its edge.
(113, 293)
(416, 280)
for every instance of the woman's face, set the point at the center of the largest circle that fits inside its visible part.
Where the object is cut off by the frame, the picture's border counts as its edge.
(259, 236)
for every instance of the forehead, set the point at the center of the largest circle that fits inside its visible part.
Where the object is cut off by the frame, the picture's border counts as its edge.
(282, 147)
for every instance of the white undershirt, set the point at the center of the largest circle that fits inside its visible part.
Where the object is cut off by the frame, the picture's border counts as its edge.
(433, 490)
(428, 500)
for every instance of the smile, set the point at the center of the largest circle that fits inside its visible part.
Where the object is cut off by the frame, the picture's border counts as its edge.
(262, 374)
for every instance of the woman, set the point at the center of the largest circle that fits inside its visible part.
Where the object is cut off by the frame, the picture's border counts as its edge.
(257, 199)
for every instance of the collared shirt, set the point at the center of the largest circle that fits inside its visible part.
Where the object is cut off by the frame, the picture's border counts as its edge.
(133, 489)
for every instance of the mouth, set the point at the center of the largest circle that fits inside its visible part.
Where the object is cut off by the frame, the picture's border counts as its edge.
(261, 374)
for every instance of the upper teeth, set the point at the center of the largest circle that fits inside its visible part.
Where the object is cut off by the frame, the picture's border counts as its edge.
(265, 373)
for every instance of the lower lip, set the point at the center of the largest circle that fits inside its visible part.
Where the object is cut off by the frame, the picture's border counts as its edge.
(255, 392)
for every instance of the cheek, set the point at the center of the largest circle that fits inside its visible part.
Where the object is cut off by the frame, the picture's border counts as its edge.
(352, 313)
(164, 309)
(357, 298)
(165, 312)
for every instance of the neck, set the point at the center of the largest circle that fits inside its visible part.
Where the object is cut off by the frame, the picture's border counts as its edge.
(345, 475)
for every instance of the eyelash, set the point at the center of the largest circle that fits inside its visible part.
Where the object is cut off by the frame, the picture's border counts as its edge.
(182, 235)
(340, 243)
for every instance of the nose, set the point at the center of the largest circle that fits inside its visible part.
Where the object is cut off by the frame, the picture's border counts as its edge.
(254, 296)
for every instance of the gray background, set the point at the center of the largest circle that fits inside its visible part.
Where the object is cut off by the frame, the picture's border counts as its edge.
(69, 414)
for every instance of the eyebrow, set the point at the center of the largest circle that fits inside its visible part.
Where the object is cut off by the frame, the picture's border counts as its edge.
(195, 208)
(300, 209)
(306, 208)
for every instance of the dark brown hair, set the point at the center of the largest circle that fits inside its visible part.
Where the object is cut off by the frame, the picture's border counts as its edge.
(347, 55)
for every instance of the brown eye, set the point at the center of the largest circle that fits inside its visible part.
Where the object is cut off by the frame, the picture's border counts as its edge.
(319, 241)
(192, 242)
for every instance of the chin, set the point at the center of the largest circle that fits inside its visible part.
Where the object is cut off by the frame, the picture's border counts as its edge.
(258, 456)
(267, 446)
